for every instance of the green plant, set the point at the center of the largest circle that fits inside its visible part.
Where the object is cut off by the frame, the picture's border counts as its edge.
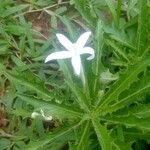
(110, 109)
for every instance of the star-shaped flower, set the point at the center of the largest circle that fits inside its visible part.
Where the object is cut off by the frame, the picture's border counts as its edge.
(74, 50)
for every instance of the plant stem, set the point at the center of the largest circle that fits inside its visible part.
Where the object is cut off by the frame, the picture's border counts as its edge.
(85, 85)
(82, 77)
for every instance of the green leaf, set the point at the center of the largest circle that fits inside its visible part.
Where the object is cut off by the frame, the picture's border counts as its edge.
(54, 22)
(117, 49)
(123, 83)
(143, 38)
(119, 4)
(130, 121)
(18, 62)
(119, 145)
(102, 134)
(29, 34)
(136, 91)
(13, 10)
(83, 7)
(4, 49)
(15, 29)
(70, 26)
(47, 44)
(120, 36)
(5, 143)
(112, 8)
(29, 81)
(132, 134)
(80, 97)
(140, 111)
(34, 145)
(97, 66)
(84, 139)
(20, 112)
(61, 10)
(56, 110)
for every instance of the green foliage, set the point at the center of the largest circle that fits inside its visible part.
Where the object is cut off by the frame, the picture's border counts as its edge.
(109, 110)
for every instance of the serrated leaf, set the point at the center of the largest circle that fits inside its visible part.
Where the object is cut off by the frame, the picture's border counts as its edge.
(123, 83)
(143, 38)
(130, 121)
(103, 135)
(30, 82)
(117, 49)
(56, 110)
(140, 111)
(35, 145)
(119, 145)
(132, 94)
(84, 139)
(132, 135)
(120, 37)
(20, 112)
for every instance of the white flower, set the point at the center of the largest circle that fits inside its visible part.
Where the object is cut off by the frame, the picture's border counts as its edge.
(36, 114)
(74, 51)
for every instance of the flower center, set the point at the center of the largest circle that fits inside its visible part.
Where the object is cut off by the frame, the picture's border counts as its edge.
(76, 50)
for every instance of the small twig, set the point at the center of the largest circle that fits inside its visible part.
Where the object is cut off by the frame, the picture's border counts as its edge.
(5, 135)
(42, 9)
(80, 24)
(40, 34)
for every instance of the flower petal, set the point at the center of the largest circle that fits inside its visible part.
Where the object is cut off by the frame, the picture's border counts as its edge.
(76, 63)
(65, 42)
(83, 39)
(58, 55)
(88, 50)
(34, 115)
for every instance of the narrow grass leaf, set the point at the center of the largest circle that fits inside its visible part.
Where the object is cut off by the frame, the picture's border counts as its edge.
(143, 38)
(112, 8)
